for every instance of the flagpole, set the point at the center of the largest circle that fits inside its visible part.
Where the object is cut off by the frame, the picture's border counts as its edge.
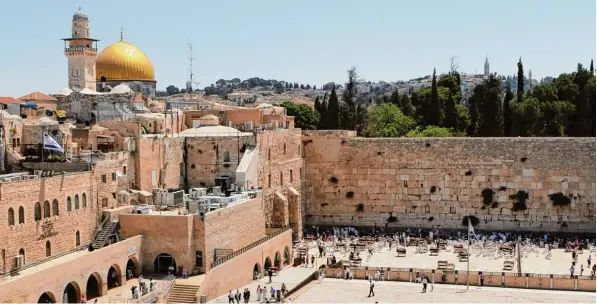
(468, 258)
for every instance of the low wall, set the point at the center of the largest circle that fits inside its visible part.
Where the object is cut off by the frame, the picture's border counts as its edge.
(28, 286)
(494, 279)
(238, 271)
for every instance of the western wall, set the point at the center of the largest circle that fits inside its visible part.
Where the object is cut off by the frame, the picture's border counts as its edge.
(526, 184)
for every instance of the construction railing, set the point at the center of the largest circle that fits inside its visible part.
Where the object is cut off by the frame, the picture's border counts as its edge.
(224, 259)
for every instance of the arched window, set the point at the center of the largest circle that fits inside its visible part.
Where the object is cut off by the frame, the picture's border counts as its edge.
(11, 217)
(226, 156)
(84, 199)
(69, 204)
(55, 208)
(48, 249)
(21, 215)
(37, 211)
(47, 211)
(77, 239)
(76, 202)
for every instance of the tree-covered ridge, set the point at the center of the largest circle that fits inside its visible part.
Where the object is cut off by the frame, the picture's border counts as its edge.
(564, 107)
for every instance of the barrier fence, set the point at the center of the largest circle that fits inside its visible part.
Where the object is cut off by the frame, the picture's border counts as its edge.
(495, 279)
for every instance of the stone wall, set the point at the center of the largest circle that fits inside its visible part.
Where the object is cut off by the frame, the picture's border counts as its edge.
(59, 227)
(211, 157)
(112, 172)
(155, 153)
(281, 167)
(433, 183)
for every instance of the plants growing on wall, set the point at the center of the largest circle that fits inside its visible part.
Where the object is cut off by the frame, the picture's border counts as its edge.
(520, 200)
(559, 199)
(360, 208)
(349, 194)
(474, 220)
(333, 180)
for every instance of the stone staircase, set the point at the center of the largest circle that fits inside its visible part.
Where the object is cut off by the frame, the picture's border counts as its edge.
(103, 236)
(181, 293)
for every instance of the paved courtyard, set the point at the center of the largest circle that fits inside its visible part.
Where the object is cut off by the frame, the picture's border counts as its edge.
(533, 262)
(356, 291)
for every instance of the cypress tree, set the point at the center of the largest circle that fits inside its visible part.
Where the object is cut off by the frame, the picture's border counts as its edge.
(591, 68)
(406, 106)
(491, 109)
(475, 102)
(333, 110)
(395, 98)
(323, 119)
(451, 116)
(520, 82)
(317, 105)
(434, 110)
(508, 112)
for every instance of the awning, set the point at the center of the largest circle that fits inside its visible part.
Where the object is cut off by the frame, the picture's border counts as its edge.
(60, 113)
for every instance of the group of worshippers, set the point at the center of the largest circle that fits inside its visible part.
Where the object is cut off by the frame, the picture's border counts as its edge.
(246, 296)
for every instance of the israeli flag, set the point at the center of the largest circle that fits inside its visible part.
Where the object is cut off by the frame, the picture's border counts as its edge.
(51, 144)
(471, 231)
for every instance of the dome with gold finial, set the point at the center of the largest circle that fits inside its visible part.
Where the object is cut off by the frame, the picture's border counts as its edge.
(123, 61)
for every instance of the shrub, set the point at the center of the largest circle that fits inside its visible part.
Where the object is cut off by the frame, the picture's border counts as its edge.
(360, 208)
(559, 199)
(474, 220)
(349, 194)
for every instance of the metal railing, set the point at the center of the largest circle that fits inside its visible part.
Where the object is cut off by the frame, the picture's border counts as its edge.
(224, 259)
(162, 289)
(99, 228)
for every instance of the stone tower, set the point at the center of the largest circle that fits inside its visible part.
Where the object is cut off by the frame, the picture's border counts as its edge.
(81, 51)
(486, 73)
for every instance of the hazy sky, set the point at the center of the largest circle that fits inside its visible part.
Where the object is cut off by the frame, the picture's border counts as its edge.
(304, 41)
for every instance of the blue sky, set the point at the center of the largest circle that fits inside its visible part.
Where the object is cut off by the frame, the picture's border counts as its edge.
(304, 41)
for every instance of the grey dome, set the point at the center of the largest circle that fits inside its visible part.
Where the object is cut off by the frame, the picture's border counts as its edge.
(80, 15)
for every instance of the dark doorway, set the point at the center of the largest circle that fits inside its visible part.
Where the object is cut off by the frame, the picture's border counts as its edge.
(93, 287)
(46, 298)
(286, 256)
(71, 294)
(267, 264)
(162, 262)
(277, 260)
(199, 259)
(256, 271)
(132, 271)
(114, 278)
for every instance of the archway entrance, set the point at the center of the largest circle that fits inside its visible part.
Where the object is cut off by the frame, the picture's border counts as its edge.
(132, 269)
(46, 297)
(286, 256)
(114, 277)
(94, 287)
(71, 294)
(278, 260)
(256, 271)
(162, 262)
(267, 264)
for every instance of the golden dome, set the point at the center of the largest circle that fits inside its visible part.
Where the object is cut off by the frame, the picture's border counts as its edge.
(123, 61)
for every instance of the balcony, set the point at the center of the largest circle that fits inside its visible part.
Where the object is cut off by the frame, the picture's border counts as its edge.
(79, 49)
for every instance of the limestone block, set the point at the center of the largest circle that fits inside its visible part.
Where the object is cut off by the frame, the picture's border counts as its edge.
(404, 177)
(528, 172)
(565, 185)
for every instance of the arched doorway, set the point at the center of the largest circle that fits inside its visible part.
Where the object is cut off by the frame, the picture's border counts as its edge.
(114, 277)
(162, 262)
(256, 271)
(132, 268)
(267, 264)
(72, 293)
(278, 260)
(286, 256)
(46, 297)
(94, 287)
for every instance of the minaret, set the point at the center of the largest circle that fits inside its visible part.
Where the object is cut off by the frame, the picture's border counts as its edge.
(486, 67)
(81, 51)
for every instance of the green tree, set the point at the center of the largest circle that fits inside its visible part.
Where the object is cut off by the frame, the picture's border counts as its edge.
(361, 118)
(554, 118)
(386, 120)
(525, 117)
(406, 106)
(451, 81)
(507, 111)
(434, 107)
(464, 119)
(304, 117)
(430, 131)
(395, 98)
(590, 93)
(172, 90)
(475, 102)
(350, 95)
(520, 82)
(333, 111)
(323, 115)
(450, 116)
(317, 105)
(580, 122)
(490, 109)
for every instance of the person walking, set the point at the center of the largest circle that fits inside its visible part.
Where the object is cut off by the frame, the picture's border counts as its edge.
(371, 285)
(258, 293)
(481, 277)
(572, 271)
(424, 282)
(589, 261)
(269, 274)
(237, 296)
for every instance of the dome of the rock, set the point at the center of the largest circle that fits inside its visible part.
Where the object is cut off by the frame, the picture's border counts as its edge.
(123, 61)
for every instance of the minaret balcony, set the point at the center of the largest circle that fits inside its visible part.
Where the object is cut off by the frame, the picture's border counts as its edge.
(73, 49)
